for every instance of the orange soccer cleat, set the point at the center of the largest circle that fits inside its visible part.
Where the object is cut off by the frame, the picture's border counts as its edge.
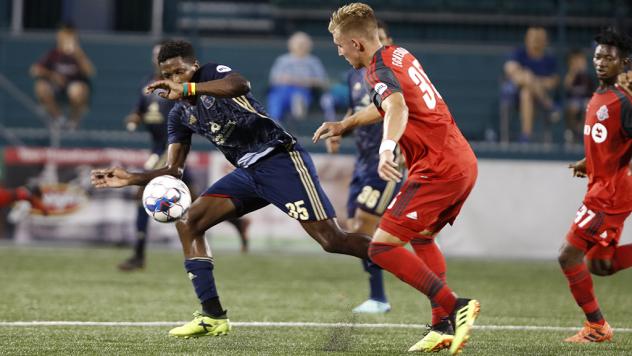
(592, 332)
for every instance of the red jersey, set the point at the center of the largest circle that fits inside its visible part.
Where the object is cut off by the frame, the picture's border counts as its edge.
(432, 143)
(608, 146)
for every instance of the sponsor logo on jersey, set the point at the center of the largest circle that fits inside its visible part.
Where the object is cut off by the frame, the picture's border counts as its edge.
(207, 101)
(380, 88)
(214, 127)
(599, 133)
(602, 113)
(223, 69)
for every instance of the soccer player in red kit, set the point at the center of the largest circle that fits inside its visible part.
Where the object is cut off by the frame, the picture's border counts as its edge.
(594, 235)
(442, 169)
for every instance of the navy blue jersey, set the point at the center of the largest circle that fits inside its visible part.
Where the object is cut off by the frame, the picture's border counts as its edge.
(239, 127)
(369, 137)
(154, 111)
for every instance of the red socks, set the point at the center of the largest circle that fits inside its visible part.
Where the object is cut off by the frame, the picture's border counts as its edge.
(622, 258)
(428, 251)
(581, 285)
(412, 270)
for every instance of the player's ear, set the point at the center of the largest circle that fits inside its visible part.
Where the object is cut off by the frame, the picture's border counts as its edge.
(196, 65)
(357, 44)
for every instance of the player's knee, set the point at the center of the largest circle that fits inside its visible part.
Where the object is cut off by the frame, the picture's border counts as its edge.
(599, 267)
(568, 258)
(189, 225)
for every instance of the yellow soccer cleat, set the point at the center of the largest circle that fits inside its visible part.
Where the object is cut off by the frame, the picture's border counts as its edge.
(202, 325)
(592, 333)
(463, 317)
(432, 341)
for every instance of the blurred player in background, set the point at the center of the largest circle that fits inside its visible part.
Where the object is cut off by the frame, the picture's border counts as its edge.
(29, 193)
(368, 193)
(271, 168)
(152, 111)
(442, 169)
(595, 233)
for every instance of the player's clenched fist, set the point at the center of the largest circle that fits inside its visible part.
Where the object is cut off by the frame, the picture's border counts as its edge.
(166, 89)
(579, 168)
(110, 177)
(388, 168)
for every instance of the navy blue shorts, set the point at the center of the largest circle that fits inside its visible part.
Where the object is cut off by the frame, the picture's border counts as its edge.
(369, 192)
(286, 178)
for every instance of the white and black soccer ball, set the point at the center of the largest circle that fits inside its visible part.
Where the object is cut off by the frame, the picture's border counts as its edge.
(166, 199)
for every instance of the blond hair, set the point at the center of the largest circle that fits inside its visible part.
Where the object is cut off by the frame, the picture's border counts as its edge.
(356, 17)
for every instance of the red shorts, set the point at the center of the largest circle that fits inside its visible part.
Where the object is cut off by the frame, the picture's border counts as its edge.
(592, 228)
(424, 205)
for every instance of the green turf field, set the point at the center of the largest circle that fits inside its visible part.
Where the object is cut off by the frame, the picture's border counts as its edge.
(80, 284)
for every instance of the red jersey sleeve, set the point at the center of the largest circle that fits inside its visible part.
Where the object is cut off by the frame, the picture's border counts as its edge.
(626, 115)
(382, 82)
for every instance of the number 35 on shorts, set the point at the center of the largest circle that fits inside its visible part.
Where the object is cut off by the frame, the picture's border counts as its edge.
(297, 211)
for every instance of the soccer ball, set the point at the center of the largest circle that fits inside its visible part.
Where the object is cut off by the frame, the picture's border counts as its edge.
(166, 199)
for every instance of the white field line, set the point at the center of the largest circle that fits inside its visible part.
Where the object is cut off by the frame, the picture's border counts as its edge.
(289, 324)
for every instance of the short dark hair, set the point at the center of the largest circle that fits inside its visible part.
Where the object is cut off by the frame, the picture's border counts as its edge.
(612, 37)
(176, 48)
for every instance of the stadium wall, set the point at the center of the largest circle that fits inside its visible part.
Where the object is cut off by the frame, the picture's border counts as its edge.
(519, 209)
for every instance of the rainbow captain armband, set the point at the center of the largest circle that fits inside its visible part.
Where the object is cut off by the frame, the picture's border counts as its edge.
(188, 89)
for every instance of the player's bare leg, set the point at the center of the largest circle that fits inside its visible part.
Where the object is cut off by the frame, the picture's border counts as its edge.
(204, 213)
(526, 112)
(334, 240)
(241, 224)
(46, 95)
(596, 329)
(366, 223)
(388, 251)
(78, 93)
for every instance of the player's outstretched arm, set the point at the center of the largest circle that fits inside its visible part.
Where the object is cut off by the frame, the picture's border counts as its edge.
(366, 116)
(579, 168)
(118, 177)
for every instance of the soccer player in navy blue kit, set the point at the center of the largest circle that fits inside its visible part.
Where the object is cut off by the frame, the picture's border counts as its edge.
(369, 195)
(152, 111)
(271, 168)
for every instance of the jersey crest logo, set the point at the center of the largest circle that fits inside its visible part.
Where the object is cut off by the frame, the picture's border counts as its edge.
(357, 87)
(602, 113)
(214, 127)
(207, 101)
(192, 120)
(599, 133)
(380, 88)
(223, 69)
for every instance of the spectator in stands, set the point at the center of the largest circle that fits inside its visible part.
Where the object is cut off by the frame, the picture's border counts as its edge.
(579, 86)
(533, 73)
(295, 78)
(63, 74)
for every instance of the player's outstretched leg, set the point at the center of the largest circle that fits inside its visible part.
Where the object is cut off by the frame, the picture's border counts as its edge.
(388, 251)
(605, 261)
(204, 213)
(595, 329)
(334, 240)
